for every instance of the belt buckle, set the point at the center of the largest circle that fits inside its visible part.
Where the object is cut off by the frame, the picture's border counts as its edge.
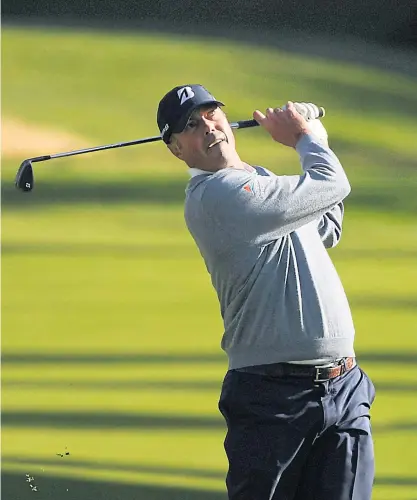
(317, 374)
(343, 369)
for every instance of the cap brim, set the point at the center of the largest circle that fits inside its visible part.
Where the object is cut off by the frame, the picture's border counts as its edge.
(184, 119)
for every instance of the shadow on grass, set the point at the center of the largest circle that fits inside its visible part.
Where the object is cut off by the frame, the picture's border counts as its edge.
(400, 426)
(165, 251)
(385, 303)
(395, 481)
(138, 421)
(303, 43)
(14, 487)
(401, 165)
(135, 358)
(116, 385)
(381, 196)
(402, 357)
(165, 385)
(71, 463)
(363, 100)
(177, 251)
(144, 191)
(394, 200)
(97, 420)
(42, 463)
(343, 254)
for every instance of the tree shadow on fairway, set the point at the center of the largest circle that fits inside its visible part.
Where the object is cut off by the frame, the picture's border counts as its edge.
(108, 466)
(146, 191)
(138, 358)
(339, 48)
(364, 101)
(49, 487)
(15, 487)
(372, 302)
(180, 386)
(360, 253)
(103, 420)
(176, 251)
(401, 426)
(134, 358)
(109, 385)
(387, 198)
(396, 481)
(141, 421)
(377, 155)
(402, 357)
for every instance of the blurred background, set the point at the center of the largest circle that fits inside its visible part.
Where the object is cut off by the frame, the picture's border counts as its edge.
(111, 359)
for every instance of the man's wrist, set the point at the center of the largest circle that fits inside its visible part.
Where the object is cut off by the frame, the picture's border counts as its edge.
(301, 136)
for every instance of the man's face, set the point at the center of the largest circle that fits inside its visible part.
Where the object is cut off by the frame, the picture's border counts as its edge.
(207, 141)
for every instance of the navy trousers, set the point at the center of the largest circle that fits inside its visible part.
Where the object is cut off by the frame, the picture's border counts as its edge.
(294, 439)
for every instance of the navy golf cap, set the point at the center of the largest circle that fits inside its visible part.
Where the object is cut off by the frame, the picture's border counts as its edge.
(176, 106)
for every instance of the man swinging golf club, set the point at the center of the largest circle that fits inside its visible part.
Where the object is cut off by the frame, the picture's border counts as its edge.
(295, 401)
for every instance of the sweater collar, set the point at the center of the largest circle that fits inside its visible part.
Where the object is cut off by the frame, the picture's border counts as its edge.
(197, 171)
(193, 172)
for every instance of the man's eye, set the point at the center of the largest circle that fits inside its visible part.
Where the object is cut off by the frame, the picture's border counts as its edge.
(191, 124)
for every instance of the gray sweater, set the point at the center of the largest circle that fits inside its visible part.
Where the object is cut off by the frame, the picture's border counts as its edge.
(263, 238)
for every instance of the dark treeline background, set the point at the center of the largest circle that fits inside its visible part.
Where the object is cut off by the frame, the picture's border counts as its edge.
(384, 21)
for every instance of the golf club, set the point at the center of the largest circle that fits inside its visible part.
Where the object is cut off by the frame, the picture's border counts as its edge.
(24, 178)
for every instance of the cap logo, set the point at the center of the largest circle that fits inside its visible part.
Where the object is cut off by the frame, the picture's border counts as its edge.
(165, 129)
(184, 94)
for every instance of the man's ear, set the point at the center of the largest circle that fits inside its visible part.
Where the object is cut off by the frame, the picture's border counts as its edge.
(175, 148)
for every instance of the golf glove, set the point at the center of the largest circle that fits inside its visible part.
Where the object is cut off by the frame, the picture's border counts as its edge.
(311, 112)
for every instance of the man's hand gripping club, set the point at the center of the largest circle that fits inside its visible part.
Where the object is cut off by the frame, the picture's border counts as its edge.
(285, 125)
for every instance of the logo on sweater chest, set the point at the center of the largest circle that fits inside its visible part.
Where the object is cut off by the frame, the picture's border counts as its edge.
(247, 188)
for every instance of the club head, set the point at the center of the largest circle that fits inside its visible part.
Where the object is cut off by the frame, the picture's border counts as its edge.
(24, 176)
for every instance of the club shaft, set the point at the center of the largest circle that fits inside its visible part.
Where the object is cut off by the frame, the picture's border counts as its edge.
(107, 146)
(240, 124)
(235, 125)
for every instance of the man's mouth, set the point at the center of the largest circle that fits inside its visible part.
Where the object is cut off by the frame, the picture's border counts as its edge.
(214, 143)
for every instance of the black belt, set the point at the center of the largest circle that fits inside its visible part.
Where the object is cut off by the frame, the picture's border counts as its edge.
(316, 373)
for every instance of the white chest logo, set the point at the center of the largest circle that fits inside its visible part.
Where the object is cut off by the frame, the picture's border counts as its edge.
(184, 94)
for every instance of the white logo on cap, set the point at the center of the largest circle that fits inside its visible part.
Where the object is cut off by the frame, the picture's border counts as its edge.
(165, 129)
(184, 94)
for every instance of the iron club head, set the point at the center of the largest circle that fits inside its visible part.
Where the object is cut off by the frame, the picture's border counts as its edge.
(24, 176)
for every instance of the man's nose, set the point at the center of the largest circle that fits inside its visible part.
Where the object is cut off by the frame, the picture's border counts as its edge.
(208, 126)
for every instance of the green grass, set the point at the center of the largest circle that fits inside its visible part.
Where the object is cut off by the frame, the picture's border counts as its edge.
(110, 326)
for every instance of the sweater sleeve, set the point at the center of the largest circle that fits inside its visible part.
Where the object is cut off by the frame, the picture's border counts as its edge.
(259, 209)
(330, 226)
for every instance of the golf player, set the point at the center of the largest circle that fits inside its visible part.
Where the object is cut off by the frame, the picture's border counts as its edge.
(294, 399)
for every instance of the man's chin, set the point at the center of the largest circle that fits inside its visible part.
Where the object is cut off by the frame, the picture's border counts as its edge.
(219, 155)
